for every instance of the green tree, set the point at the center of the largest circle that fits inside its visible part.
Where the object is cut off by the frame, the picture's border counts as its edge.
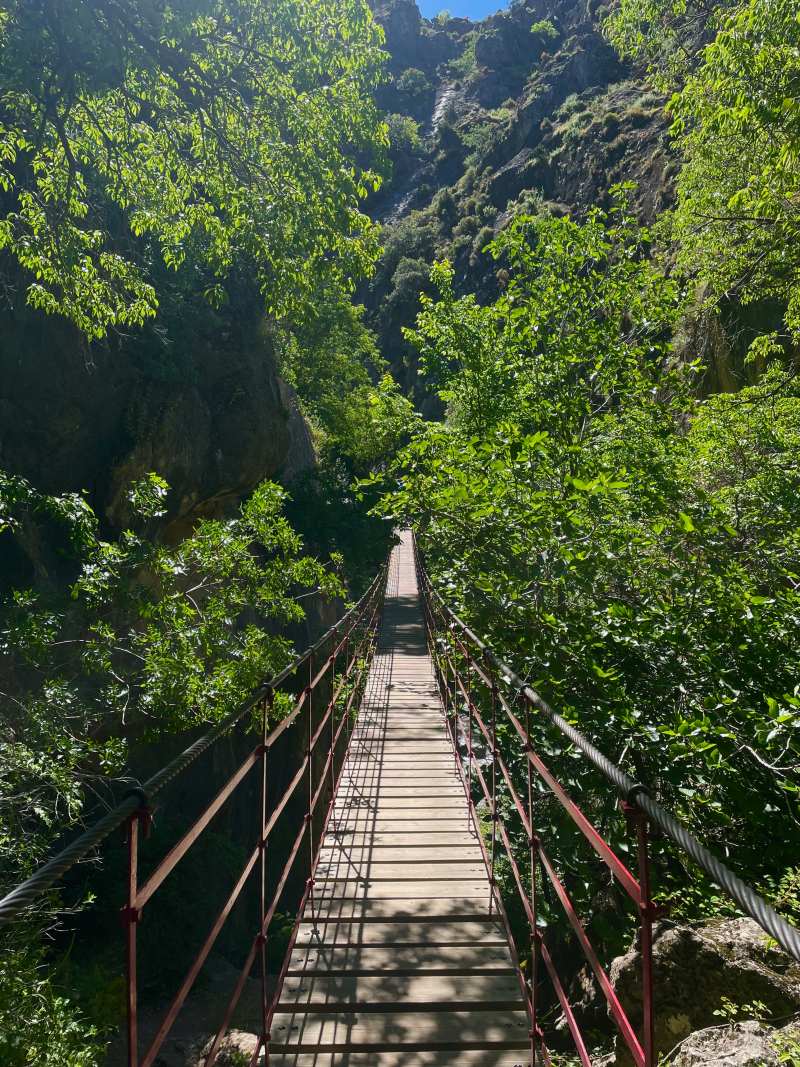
(631, 550)
(665, 35)
(581, 326)
(220, 135)
(404, 135)
(737, 124)
(147, 640)
(413, 83)
(461, 345)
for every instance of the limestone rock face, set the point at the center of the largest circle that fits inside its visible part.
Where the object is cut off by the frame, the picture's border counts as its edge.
(515, 119)
(206, 410)
(401, 23)
(695, 968)
(414, 43)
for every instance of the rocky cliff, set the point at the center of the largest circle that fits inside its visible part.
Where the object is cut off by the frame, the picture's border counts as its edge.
(197, 399)
(528, 110)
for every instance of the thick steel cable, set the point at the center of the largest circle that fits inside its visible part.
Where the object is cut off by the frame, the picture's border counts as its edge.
(787, 936)
(23, 895)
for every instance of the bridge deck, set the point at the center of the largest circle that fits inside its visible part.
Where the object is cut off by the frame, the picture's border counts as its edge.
(399, 960)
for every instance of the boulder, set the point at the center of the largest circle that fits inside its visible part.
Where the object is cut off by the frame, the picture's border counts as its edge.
(696, 969)
(236, 1049)
(747, 1044)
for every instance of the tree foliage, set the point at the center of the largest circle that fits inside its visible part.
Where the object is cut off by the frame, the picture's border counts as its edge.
(150, 638)
(664, 35)
(359, 419)
(733, 68)
(147, 640)
(632, 551)
(737, 124)
(210, 135)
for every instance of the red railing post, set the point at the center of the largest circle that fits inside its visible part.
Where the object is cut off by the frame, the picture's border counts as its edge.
(130, 918)
(453, 716)
(266, 710)
(533, 848)
(310, 812)
(444, 672)
(638, 821)
(469, 741)
(334, 655)
(648, 1018)
(490, 672)
(349, 724)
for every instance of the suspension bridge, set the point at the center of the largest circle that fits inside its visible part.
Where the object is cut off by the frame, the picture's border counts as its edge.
(401, 950)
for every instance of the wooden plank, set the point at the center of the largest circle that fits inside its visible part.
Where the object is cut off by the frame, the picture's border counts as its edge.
(445, 784)
(390, 1031)
(482, 932)
(429, 839)
(405, 770)
(368, 857)
(400, 824)
(429, 957)
(401, 910)
(495, 990)
(403, 858)
(431, 888)
(459, 1058)
(444, 779)
(450, 796)
(347, 834)
(449, 789)
(412, 747)
(382, 871)
(408, 802)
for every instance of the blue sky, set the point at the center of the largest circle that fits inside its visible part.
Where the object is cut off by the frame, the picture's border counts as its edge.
(471, 9)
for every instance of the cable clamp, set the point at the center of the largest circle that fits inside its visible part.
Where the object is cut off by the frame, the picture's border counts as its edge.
(144, 812)
(138, 792)
(636, 790)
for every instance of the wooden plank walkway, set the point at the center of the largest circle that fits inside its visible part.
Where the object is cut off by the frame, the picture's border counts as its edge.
(400, 960)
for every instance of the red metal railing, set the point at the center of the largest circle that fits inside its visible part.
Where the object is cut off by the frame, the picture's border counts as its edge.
(347, 648)
(336, 668)
(479, 692)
